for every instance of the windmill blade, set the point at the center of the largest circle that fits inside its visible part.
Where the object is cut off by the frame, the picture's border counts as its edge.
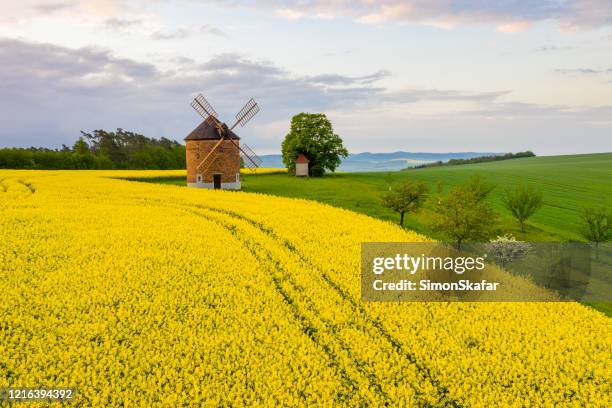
(248, 153)
(209, 155)
(201, 105)
(246, 113)
(250, 159)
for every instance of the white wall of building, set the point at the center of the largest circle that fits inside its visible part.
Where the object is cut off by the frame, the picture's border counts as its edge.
(224, 186)
(301, 169)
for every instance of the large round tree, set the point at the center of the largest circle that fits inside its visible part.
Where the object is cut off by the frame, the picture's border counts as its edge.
(312, 134)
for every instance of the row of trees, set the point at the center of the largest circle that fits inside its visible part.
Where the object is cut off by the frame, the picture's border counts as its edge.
(480, 159)
(100, 150)
(465, 214)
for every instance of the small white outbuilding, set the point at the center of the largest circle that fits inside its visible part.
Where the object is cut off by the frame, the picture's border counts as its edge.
(301, 166)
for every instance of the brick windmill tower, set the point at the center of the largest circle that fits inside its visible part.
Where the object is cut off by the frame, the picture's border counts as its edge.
(214, 153)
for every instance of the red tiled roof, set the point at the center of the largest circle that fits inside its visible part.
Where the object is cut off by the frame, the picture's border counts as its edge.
(302, 159)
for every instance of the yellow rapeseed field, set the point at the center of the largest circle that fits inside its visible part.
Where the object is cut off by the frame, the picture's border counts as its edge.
(143, 294)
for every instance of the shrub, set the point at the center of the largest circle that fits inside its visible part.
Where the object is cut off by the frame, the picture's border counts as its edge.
(506, 249)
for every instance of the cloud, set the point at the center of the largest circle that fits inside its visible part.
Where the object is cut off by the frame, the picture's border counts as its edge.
(335, 79)
(52, 7)
(513, 27)
(235, 65)
(183, 33)
(513, 110)
(182, 61)
(287, 92)
(172, 35)
(338, 53)
(50, 92)
(508, 16)
(109, 14)
(582, 71)
(58, 65)
(121, 23)
(498, 127)
(290, 14)
(552, 48)
(417, 95)
(74, 89)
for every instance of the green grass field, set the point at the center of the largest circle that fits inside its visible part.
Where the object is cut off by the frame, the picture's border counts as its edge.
(569, 183)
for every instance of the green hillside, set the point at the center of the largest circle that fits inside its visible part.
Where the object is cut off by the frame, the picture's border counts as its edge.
(569, 183)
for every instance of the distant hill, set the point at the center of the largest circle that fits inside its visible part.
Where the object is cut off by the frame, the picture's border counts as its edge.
(383, 161)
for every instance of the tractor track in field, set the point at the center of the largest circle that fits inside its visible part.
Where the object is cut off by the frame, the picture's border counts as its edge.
(444, 399)
(344, 294)
(307, 325)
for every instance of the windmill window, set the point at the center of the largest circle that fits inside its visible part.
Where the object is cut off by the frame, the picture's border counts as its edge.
(237, 177)
(199, 178)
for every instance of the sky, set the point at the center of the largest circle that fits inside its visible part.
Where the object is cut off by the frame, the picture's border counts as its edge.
(418, 75)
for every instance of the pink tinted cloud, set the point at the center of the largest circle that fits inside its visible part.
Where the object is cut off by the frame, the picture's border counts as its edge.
(514, 27)
(509, 16)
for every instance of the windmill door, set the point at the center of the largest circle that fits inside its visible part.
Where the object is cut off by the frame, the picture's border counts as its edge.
(217, 181)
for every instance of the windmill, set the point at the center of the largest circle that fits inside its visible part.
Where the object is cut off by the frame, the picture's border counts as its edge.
(214, 152)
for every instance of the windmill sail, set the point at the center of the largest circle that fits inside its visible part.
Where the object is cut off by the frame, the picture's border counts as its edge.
(201, 105)
(246, 113)
(209, 157)
(248, 156)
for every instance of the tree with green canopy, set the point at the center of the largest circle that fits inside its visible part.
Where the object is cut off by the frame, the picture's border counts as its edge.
(312, 134)
(405, 197)
(522, 202)
(464, 214)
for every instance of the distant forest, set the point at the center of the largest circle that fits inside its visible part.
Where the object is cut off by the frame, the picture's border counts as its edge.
(481, 159)
(100, 150)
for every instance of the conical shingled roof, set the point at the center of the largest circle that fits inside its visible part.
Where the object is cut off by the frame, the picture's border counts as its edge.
(207, 130)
